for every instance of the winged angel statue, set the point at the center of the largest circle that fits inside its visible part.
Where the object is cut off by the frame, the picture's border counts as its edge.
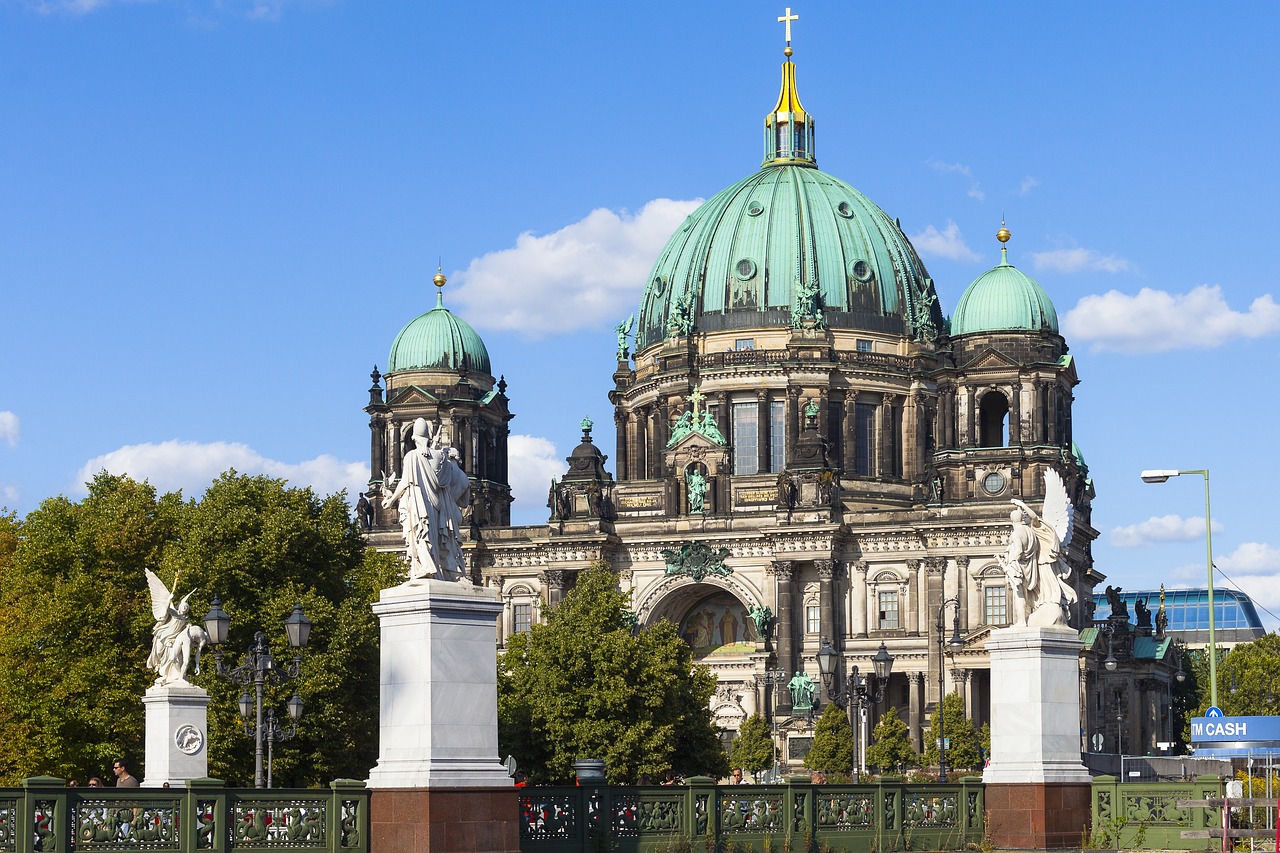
(1038, 575)
(174, 639)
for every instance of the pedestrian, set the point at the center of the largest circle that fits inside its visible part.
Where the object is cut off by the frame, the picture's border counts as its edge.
(736, 777)
(124, 779)
(95, 782)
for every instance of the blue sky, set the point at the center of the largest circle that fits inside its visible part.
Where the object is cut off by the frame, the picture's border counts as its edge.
(215, 215)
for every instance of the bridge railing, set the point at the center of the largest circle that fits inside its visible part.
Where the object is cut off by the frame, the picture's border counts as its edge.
(1148, 815)
(889, 815)
(45, 816)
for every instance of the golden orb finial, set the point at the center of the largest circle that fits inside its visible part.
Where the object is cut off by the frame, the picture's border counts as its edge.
(787, 51)
(1003, 234)
(439, 279)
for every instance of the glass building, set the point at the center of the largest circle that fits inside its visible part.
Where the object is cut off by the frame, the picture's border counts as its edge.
(1235, 618)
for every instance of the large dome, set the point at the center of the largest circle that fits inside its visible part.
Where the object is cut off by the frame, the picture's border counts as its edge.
(438, 340)
(1004, 299)
(742, 253)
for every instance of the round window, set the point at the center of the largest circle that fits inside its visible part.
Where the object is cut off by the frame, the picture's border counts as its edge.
(844, 209)
(659, 285)
(993, 483)
(755, 208)
(862, 271)
(746, 269)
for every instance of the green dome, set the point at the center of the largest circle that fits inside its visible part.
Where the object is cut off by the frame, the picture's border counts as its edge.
(735, 263)
(438, 340)
(1004, 299)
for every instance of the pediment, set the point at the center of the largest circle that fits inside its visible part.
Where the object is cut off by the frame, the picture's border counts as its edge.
(992, 359)
(410, 395)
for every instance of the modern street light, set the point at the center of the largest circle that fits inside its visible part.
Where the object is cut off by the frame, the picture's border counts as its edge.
(856, 689)
(953, 644)
(259, 669)
(1161, 476)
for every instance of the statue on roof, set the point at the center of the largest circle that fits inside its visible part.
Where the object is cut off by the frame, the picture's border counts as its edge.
(806, 310)
(623, 330)
(1038, 575)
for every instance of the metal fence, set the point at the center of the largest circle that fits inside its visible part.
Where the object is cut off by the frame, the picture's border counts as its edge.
(44, 816)
(1147, 815)
(890, 815)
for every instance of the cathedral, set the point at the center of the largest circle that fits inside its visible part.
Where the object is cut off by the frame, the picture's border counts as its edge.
(807, 452)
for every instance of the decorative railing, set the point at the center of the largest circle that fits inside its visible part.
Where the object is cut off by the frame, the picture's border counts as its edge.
(45, 816)
(890, 815)
(1146, 815)
(759, 357)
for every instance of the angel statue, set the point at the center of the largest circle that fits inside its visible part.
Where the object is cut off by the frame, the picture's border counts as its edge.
(1039, 577)
(623, 330)
(174, 639)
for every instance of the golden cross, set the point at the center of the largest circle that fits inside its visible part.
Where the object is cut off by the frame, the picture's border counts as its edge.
(696, 398)
(787, 19)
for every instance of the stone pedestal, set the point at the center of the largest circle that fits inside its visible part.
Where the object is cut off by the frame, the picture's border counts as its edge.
(1037, 792)
(439, 688)
(417, 820)
(177, 735)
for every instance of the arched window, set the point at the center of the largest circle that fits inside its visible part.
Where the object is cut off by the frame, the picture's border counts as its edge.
(993, 412)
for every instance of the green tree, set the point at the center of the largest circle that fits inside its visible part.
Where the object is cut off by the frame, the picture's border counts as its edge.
(891, 743)
(585, 685)
(753, 749)
(832, 748)
(965, 746)
(75, 623)
(1249, 679)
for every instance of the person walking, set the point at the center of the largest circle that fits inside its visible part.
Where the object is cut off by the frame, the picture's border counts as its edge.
(124, 779)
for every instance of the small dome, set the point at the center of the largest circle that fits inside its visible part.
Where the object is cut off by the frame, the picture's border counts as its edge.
(438, 340)
(1004, 299)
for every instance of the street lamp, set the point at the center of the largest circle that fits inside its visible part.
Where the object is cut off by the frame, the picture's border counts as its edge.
(258, 669)
(953, 644)
(770, 679)
(1161, 476)
(856, 689)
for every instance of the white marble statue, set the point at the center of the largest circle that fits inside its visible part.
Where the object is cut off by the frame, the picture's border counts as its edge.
(174, 640)
(432, 492)
(1039, 577)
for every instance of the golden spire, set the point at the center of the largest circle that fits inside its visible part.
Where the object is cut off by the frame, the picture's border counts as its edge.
(439, 280)
(1003, 236)
(788, 129)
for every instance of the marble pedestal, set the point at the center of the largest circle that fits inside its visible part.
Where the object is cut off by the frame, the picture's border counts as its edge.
(439, 688)
(1037, 794)
(177, 735)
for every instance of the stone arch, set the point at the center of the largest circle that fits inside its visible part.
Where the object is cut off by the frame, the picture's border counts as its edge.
(713, 616)
(993, 419)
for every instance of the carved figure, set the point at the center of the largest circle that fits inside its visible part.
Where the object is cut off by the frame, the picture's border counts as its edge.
(810, 415)
(697, 485)
(711, 429)
(683, 426)
(762, 617)
(623, 330)
(1162, 621)
(803, 690)
(787, 491)
(1117, 602)
(806, 311)
(434, 489)
(173, 639)
(1144, 615)
(364, 510)
(1038, 575)
(681, 315)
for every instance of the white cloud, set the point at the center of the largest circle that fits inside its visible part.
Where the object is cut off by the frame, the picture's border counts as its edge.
(947, 244)
(1156, 321)
(192, 466)
(8, 496)
(1251, 558)
(1028, 184)
(1076, 260)
(75, 7)
(1160, 528)
(531, 463)
(10, 428)
(943, 166)
(977, 192)
(586, 274)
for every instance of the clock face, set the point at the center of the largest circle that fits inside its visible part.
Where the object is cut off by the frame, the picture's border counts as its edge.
(993, 483)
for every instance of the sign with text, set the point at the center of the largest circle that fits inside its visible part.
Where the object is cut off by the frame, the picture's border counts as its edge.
(1235, 730)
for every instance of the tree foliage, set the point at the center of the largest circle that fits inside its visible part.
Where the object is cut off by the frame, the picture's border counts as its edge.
(75, 623)
(585, 685)
(832, 748)
(891, 744)
(753, 749)
(965, 750)
(1248, 679)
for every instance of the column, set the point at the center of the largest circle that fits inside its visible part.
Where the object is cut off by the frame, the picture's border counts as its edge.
(661, 433)
(553, 583)
(793, 418)
(620, 441)
(967, 438)
(473, 433)
(915, 684)
(642, 469)
(850, 433)
(377, 448)
(826, 601)
(858, 597)
(884, 431)
(1015, 416)
(823, 413)
(784, 634)
(1053, 392)
(911, 607)
(764, 430)
(1070, 398)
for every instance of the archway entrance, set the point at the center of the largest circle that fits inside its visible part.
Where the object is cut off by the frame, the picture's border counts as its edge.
(718, 625)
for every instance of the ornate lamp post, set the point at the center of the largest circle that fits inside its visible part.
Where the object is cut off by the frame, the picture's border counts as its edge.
(953, 644)
(1162, 476)
(258, 669)
(856, 689)
(770, 679)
